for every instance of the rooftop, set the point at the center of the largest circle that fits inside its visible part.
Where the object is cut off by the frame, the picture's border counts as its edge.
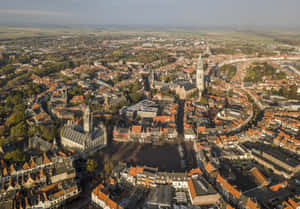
(160, 196)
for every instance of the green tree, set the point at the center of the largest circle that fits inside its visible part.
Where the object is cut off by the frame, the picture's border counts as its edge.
(14, 100)
(230, 92)
(118, 53)
(47, 132)
(20, 130)
(91, 165)
(2, 131)
(16, 156)
(3, 141)
(203, 101)
(19, 107)
(50, 68)
(227, 71)
(32, 130)
(15, 118)
(135, 97)
(7, 69)
(77, 90)
(135, 87)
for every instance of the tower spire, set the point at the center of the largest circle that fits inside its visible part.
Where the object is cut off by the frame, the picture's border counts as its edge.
(200, 76)
(87, 120)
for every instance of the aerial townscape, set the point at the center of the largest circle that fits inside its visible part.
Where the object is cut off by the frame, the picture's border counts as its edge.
(114, 117)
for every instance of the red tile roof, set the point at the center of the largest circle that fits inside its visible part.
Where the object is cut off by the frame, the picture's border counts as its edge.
(251, 205)
(229, 207)
(279, 186)
(258, 176)
(192, 188)
(133, 171)
(209, 167)
(136, 129)
(195, 171)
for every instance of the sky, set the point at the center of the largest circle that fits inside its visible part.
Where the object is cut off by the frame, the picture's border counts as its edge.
(187, 13)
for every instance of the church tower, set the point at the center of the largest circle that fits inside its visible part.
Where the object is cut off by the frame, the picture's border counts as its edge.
(87, 120)
(200, 76)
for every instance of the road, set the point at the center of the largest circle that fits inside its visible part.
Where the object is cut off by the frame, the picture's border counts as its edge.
(292, 69)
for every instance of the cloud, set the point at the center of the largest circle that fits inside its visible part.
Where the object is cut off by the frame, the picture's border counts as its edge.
(34, 13)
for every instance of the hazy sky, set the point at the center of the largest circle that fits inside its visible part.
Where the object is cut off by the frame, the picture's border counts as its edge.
(153, 12)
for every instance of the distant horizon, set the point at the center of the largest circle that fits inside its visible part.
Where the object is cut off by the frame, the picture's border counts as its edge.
(149, 26)
(155, 13)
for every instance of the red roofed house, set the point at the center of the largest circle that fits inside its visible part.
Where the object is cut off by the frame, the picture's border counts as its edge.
(260, 179)
(201, 192)
(251, 205)
(291, 204)
(103, 200)
(277, 187)
(77, 99)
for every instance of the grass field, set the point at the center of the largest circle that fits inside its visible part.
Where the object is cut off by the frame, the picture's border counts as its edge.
(17, 32)
(254, 36)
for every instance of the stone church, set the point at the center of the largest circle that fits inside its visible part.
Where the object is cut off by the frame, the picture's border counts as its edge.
(84, 138)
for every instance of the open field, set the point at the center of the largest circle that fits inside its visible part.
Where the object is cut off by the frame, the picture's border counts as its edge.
(16, 33)
(258, 36)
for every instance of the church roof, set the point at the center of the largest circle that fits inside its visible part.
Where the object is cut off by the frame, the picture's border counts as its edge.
(74, 134)
(71, 133)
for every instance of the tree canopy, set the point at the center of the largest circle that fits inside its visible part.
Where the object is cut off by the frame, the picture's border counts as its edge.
(91, 165)
(16, 156)
(258, 71)
(20, 130)
(16, 117)
(227, 72)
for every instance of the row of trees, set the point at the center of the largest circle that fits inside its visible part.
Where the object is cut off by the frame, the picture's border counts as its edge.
(143, 56)
(16, 121)
(289, 93)
(258, 71)
(15, 156)
(227, 72)
(107, 165)
(50, 68)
